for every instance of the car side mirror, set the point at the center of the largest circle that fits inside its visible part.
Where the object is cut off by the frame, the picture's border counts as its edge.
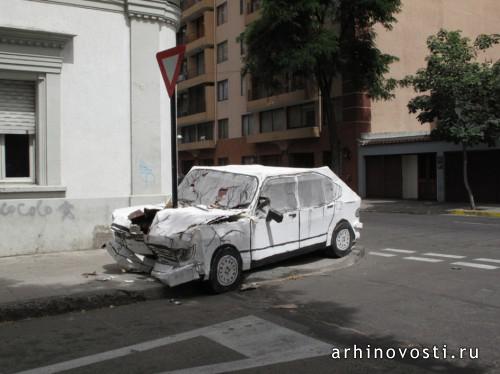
(274, 215)
(263, 202)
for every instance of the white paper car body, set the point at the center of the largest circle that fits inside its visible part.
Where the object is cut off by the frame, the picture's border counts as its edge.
(234, 218)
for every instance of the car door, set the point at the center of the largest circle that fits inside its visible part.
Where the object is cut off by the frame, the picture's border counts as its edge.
(270, 239)
(317, 209)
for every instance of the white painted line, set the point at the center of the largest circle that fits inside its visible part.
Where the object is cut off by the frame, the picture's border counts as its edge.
(443, 255)
(381, 254)
(487, 260)
(423, 259)
(262, 342)
(398, 250)
(477, 266)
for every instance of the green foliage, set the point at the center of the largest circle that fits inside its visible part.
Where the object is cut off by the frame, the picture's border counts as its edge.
(458, 92)
(322, 39)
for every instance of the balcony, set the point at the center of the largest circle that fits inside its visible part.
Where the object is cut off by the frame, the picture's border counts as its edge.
(280, 100)
(207, 115)
(250, 17)
(291, 134)
(202, 144)
(193, 8)
(194, 80)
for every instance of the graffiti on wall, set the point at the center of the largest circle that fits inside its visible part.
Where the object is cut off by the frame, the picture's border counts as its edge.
(39, 209)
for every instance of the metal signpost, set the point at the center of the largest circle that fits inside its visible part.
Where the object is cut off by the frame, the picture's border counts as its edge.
(170, 62)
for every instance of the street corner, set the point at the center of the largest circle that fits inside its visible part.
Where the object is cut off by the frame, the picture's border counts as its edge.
(313, 264)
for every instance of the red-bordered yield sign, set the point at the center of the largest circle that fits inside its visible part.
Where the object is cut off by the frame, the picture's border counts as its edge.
(170, 62)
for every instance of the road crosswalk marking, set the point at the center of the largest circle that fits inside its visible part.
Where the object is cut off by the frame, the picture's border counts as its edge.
(262, 342)
(435, 257)
(381, 254)
(423, 259)
(398, 250)
(487, 260)
(473, 265)
(442, 255)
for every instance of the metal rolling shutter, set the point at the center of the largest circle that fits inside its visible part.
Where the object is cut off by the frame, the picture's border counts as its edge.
(17, 107)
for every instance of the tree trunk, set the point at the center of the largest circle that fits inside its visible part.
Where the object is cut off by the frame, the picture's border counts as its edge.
(466, 178)
(329, 120)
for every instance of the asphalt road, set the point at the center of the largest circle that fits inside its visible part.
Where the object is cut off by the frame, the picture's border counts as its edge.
(425, 281)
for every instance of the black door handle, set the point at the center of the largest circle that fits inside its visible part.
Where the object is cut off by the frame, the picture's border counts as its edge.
(293, 215)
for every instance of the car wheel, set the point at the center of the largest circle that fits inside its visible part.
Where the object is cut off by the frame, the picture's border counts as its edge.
(225, 271)
(342, 241)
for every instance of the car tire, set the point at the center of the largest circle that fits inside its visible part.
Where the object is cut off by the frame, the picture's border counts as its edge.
(342, 241)
(225, 270)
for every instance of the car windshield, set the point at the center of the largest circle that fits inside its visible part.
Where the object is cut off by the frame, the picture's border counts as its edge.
(217, 189)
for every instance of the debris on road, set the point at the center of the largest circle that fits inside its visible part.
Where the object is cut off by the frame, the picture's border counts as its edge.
(92, 274)
(249, 286)
(285, 306)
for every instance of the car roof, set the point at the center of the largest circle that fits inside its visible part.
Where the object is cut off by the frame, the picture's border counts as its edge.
(262, 172)
(258, 171)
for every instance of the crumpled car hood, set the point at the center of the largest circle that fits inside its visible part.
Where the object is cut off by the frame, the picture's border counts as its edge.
(169, 222)
(120, 216)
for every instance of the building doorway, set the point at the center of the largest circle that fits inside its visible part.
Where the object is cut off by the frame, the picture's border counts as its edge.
(427, 176)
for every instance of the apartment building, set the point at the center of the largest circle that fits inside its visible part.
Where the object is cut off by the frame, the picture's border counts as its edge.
(225, 117)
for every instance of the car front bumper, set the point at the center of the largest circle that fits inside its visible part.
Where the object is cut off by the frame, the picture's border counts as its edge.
(356, 227)
(175, 275)
(127, 259)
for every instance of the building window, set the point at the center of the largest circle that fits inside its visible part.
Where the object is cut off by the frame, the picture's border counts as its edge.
(272, 120)
(222, 14)
(253, 6)
(199, 63)
(242, 6)
(222, 52)
(205, 131)
(223, 128)
(248, 160)
(243, 48)
(246, 124)
(301, 116)
(222, 161)
(17, 130)
(243, 85)
(199, 27)
(222, 90)
(197, 133)
(183, 75)
(181, 35)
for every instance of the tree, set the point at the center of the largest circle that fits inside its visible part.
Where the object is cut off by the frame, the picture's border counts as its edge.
(322, 39)
(459, 93)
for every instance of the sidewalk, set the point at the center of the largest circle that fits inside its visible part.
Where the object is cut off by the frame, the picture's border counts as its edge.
(45, 284)
(428, 207)
(36, 285)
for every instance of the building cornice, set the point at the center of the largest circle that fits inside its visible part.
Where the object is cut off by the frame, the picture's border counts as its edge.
(155, 10)
(33, 38)
(163, 11)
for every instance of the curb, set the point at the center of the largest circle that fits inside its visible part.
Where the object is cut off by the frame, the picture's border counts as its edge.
(475, 213)
(15, 311)
(34, 308)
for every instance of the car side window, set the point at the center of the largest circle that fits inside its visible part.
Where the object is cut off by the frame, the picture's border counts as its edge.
(282, 193)
(316, 190)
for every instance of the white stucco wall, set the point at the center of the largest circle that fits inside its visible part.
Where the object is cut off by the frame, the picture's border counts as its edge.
(115, 121)
(95, 93)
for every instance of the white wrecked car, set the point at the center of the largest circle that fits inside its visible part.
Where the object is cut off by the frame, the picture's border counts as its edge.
(234, 218)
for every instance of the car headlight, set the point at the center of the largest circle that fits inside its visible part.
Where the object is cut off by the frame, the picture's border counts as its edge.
(183, 255)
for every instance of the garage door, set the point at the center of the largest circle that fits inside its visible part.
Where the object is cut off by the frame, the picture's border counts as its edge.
(384, 177)
(484, 176)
